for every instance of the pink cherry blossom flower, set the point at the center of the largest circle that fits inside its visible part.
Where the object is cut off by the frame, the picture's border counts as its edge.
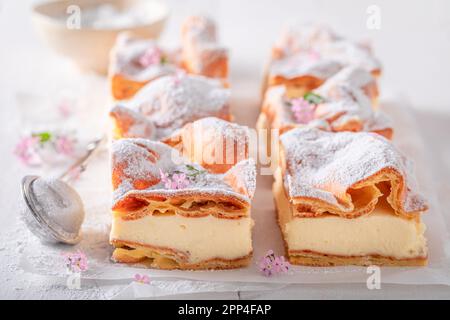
(265, 267)
(176, 181)
(151, 56)
(64, 145)
(181, 181)
(271, 264)
(178, 76)
(165, 179)
(303, 110)
(314, 55)
(141, 278)
(27, 150)
(65, 109)
(76, 261)
(280, 265)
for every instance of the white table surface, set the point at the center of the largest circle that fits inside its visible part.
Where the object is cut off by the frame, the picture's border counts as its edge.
(413, 44)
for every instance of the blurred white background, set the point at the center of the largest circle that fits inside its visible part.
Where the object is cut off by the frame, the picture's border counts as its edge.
(413, 42)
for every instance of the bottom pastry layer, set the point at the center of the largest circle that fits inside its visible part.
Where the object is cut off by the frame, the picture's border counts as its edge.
(323, 260)
(166, 259)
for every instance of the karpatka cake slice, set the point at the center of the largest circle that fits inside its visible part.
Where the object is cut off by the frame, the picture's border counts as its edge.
(348, 198)
(173, 210)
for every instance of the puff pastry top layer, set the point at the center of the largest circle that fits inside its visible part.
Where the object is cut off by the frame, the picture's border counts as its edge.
(170, 102)
(125, 59)
(314, 50)
(213, 143)
(346, 174)
(201, 51)
(137, 167)
(346, 106)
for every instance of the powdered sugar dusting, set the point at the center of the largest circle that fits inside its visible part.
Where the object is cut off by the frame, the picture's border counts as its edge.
(296, 38)
(200, 43)
(350, 53)
(132, 124)
(317, 159)
(171, 102)
(302, 64)
(303, 49)
(345, 107)
(125, 59)
(216, 132)
(133, 155)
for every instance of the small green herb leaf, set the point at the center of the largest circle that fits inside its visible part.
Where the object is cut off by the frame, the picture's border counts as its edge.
(43, 136)
(194, 172)
(313, 98)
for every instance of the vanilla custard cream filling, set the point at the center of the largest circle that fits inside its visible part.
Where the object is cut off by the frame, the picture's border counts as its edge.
(201, 238)
(378, 233)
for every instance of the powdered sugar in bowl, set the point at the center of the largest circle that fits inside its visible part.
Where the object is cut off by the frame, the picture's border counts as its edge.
(85, 30)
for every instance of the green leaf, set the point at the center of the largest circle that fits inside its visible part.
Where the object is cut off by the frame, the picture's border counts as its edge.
(313, 98)
(194, 172)
(191, 167)
(43, 136)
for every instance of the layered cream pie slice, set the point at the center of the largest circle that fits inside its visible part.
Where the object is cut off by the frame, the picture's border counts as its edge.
(176, 210)
(305, 56)
(345, 102)
(201, 51)
(348, 199)
(134, 62)
(168, 103)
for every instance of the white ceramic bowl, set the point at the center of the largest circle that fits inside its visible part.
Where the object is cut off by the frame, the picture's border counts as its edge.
(89, 46)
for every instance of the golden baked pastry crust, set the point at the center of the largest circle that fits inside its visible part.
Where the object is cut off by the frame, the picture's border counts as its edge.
(323, 260)
(201, 53)
(157, 105)
(351, 171)
(350, 99)
(136, 179)
(169, 259)
(123, 88)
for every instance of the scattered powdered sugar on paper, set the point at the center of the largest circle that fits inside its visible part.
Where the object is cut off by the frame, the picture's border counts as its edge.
(316, 159)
